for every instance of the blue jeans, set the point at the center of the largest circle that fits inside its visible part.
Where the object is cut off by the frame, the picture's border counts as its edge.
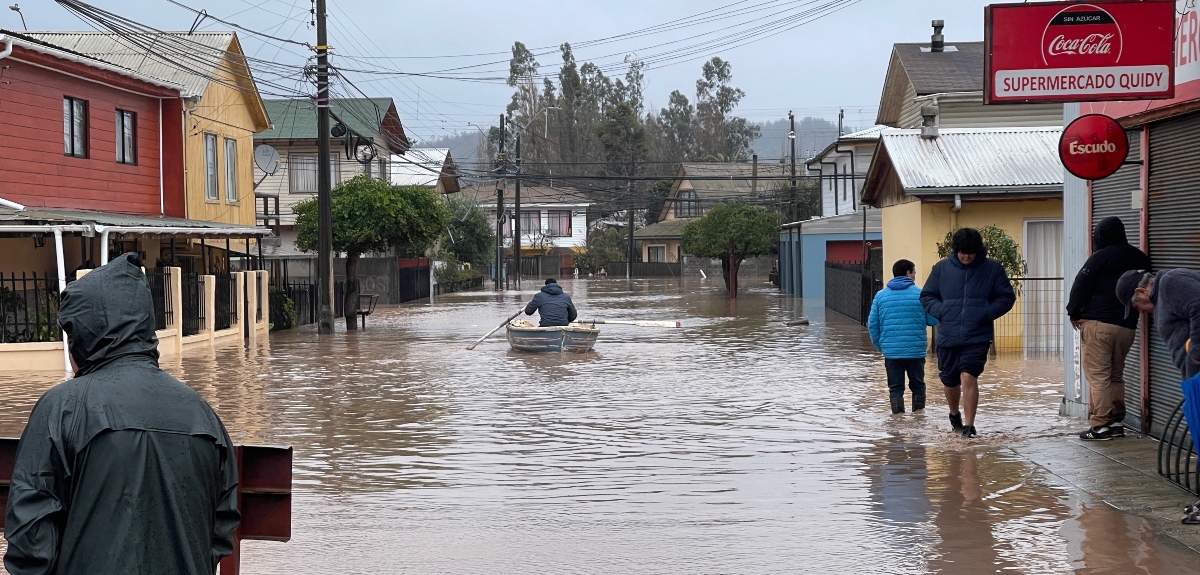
(897, 369)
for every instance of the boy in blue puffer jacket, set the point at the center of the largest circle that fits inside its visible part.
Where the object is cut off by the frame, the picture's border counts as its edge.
(897, 325)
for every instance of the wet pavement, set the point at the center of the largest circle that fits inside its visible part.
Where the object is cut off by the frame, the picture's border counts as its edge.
(734, 445)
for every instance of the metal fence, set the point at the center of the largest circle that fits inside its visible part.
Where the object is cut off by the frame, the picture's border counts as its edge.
(304, 299)
(1035, 324)
(1177, 460)
(161, 296)
(191, 289)
(226, 302)
(29, 308)
(644, 269)
(457, 286)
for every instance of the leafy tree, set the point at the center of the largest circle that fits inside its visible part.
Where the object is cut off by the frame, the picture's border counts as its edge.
(370, 215)
(738, 230)
(1000, 247)
(603, 246)
(675, 129)
(624, 139)
(718, 131)
(656, 198)
(469, 237)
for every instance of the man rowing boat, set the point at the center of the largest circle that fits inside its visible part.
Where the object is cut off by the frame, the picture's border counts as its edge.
(553, 305)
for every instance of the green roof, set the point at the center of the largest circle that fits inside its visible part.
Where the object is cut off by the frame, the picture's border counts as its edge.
(296, 119)
(664, 230)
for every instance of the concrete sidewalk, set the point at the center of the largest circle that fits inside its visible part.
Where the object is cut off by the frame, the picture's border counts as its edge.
(1122, 473)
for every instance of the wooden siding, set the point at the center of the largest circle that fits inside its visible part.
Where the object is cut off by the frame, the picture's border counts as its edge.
(279, 184)
(226, 112)
(33, 169)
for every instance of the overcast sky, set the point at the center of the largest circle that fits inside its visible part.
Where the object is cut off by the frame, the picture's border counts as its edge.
(836, 61)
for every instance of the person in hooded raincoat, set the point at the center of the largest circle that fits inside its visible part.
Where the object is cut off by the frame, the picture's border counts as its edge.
(122, 470)
(1105, 331)
(897, 327)
(552, 305)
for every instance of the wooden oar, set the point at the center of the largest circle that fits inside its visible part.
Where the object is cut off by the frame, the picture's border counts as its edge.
(672, 324)
(489, 334)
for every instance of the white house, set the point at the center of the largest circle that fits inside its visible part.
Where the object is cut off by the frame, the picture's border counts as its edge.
(842, 167)
(429, 167)
(553, 219)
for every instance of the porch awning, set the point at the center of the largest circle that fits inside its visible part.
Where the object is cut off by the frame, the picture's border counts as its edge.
(664, 230)
(23, 222)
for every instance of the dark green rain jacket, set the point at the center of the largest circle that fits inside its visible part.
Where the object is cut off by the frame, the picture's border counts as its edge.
(123, 469)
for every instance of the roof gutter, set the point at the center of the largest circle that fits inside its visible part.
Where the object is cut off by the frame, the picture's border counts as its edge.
(8, 47)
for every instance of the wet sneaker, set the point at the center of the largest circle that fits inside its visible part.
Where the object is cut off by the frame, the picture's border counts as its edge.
(968, 431)
(956, 421)
(1118, 429)
(1097, 434)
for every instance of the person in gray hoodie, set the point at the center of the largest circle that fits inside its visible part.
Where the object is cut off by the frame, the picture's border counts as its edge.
(1174, 298)
(123, 470)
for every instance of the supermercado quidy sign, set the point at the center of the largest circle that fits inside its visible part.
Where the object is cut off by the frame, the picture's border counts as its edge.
(1074, 51)
(1093, 147)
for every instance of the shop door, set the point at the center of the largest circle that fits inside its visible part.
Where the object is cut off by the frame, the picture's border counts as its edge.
(1113, 196)
(1174, 235)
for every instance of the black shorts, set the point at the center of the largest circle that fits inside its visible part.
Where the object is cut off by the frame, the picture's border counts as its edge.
(955, 361)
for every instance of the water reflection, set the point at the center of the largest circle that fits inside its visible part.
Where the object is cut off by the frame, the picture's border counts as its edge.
(735, 445)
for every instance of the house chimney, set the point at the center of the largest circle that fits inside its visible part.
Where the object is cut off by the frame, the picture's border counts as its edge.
(939, 41)
(929, 121)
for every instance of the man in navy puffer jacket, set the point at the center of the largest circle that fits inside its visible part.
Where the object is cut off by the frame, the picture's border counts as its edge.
(897, 326)
(966, 292)
(553, 305)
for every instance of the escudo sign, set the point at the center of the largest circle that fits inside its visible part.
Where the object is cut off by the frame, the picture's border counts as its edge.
(1079, 52)
(1093, 147)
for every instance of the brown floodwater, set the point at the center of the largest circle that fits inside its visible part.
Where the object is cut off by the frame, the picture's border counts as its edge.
(734, 445)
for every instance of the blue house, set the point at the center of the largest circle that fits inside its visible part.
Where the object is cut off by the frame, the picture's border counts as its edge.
(804, 247)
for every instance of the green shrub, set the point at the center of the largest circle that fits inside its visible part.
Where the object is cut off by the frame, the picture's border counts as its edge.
(283, 310)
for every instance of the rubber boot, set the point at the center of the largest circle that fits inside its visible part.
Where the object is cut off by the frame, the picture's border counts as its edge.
(918, 402)
(897, 405)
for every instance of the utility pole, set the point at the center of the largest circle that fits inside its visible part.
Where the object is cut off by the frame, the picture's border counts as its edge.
(500, 207)
(632, 171)
(792, 137)
(324, 192)
(517, 215)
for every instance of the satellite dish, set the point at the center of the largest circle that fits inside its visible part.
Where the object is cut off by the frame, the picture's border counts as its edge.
(266, 158)
(364, 153)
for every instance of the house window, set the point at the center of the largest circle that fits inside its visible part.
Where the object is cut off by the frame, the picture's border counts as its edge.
(210, 167)
(75, 127)
(302, 173)
(531, 222)
(126, 137)
(657, 254)
(558, 223)
(687, 204)
(231, 179)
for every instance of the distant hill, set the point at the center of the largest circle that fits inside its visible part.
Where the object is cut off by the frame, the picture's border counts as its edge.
(812, 135)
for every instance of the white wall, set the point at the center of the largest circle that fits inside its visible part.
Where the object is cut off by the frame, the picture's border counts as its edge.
(844, 201)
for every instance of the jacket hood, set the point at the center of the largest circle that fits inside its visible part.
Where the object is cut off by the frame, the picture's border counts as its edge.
(900, 282)
(1109, 232)
(108, 314)
(552, 289)
(979, 258)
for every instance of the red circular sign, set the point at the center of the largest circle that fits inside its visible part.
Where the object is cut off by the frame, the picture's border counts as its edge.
(1093, 147)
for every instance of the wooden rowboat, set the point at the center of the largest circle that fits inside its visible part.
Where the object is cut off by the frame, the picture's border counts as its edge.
(575, 338)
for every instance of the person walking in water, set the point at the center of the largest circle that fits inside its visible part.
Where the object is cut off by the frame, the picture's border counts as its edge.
(552, 305)
(897, 324)
(966, 292)
(123, 470)
(1105, 330)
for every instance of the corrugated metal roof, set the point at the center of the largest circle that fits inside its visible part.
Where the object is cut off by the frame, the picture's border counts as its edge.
(206, 50)
(418, 167)
(55, 216)
(975, 158)
(868, 134)
(843, 224)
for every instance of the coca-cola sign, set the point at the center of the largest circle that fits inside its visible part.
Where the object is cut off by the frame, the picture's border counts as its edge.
(1074, 51)
(1093, 147)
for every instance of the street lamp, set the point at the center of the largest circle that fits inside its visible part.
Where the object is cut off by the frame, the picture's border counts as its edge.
(17, 9)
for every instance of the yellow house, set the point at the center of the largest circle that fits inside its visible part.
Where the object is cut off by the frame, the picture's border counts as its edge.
(222, 112)
(933, 182)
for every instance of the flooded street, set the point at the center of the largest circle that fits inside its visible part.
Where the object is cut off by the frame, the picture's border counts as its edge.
(733, 445)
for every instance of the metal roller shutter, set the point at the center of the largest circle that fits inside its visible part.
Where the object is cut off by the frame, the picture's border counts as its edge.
(1173, 213)
(1113, 196)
